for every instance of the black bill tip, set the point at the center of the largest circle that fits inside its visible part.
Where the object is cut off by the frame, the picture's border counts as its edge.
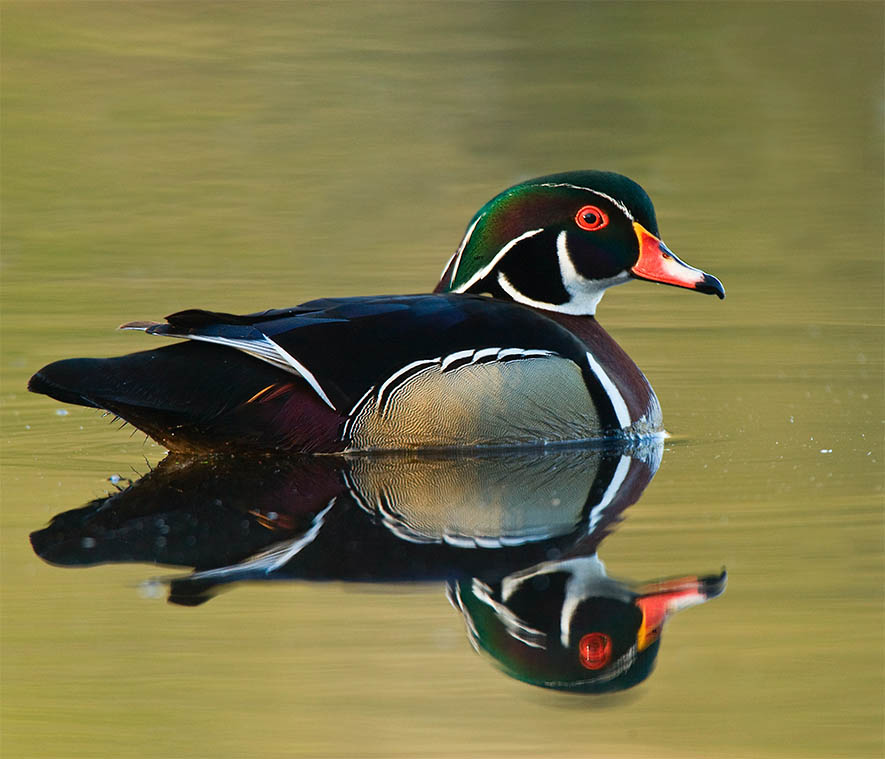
(714, 585)
(711, 286)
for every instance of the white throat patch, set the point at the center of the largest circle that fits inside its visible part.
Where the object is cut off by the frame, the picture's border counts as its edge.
(584, 294)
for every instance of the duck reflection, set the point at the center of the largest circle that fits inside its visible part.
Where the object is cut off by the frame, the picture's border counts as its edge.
(566, 625)
(514, 536)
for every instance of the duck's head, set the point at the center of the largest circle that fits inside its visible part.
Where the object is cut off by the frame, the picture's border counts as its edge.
(558, 242)
(566, 625)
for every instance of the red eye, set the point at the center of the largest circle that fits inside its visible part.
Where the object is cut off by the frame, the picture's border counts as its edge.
(591, 218)
(595, 650)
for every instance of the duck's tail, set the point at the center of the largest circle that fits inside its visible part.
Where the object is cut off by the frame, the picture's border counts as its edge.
(196, 397)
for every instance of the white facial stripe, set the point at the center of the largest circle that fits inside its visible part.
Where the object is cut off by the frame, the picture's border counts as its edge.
(448, 264)
(584, 294)
(614, 395)
(609, 198)
(472, 632)
(585, 574)
(456, 257)
(513, 624)
(494, 262)
(508, 288)
(584, 578)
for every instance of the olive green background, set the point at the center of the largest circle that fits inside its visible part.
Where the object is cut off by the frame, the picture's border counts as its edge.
(238, 156)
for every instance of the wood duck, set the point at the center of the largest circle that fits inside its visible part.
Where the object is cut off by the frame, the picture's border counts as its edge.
(514, 534)
(393, 518)
(505, 352)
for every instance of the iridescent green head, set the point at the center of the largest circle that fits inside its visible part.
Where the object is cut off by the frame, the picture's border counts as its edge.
(558, 242)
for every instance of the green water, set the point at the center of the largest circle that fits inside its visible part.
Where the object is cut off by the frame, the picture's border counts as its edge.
(158, 156)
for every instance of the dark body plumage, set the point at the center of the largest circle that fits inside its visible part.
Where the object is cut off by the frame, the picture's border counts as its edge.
(171, 392)
(449, 369)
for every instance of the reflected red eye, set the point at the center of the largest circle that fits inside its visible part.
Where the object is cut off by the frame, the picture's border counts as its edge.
(591, 218)
(595, 650)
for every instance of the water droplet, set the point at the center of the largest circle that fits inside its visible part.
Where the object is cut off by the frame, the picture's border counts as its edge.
(152, 589)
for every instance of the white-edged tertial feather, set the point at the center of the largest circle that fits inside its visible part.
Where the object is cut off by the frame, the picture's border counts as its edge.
(262, 348)
(268, 560)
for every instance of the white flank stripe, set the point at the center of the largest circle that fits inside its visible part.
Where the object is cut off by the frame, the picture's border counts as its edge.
(452, 357)
(504, 352)
(483, 352)
(442, 363)
(494, 262)
(355, 492)
(345, 432)
(614, 395)
(407, 367)
(360, 401)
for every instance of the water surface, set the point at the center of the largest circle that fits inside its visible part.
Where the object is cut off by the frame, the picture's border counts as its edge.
(159, 156)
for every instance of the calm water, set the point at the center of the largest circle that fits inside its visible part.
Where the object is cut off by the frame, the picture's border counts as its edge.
(166, 155)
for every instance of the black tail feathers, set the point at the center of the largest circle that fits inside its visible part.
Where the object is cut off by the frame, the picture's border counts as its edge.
(171, 393)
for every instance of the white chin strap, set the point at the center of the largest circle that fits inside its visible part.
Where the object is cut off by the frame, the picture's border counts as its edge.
(584, 293)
